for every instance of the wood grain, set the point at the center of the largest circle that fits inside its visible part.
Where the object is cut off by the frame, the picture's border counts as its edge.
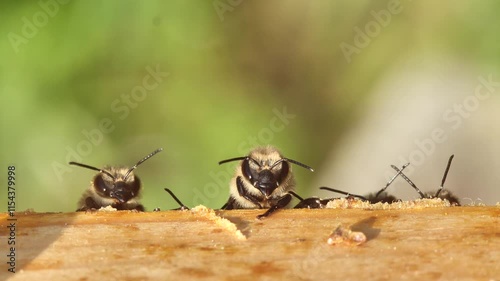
(453, 243)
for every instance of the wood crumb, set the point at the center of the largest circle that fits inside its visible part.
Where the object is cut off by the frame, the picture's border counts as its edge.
(107, 209)
(346, 236)
(210, 214)
(349, 203)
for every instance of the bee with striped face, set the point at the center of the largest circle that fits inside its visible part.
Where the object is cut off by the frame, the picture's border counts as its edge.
(117, 187)
(262, 180)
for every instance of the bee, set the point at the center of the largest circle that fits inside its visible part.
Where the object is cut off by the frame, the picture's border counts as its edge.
(318, 203)
(311, 202)
(117, 187)
(441, 192)
(263, 179)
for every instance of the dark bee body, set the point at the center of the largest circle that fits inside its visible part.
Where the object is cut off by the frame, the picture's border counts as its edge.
(310, 203)
(262, 180)
(373, 198)
(117, 187)
(313, 203)
(318, 203)
(383, 197)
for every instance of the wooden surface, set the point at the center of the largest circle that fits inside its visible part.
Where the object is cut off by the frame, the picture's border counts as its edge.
(454, 243)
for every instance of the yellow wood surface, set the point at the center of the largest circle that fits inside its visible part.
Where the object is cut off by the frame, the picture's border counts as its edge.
(453, 243)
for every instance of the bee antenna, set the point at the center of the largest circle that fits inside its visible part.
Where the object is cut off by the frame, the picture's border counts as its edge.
(408, 180)
(176, 199)
(343, 192)
(92, 168)
(233, 159)
(445, 175)
(296, 195)
(141, 161)
(391, 180)
(294, 162)
(240, 158)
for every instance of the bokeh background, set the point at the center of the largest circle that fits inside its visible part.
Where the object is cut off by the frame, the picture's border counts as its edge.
(348, 87)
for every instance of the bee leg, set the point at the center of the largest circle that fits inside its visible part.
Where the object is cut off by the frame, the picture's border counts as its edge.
(282, 202)
(90, 205)
(128, 207)
(139, 208)
(229, 204)
(243, 193)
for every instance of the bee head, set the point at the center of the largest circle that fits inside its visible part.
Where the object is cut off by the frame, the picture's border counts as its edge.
(264, 176)
(117, 183)
(266, 169)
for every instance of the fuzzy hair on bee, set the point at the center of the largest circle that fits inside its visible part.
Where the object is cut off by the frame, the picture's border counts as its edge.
(263, 179)
(117, 187)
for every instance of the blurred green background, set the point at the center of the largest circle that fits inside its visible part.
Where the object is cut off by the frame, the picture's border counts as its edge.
(226, 71)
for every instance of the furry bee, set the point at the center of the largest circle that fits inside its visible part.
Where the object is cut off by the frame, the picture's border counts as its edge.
(318, 203)
(441, 192)
(263, 179)
(117, 187)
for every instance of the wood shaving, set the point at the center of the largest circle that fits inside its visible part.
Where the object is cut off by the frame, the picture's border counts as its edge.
(107, 209)
(208, 213)
(344, 203)
(342, 235)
